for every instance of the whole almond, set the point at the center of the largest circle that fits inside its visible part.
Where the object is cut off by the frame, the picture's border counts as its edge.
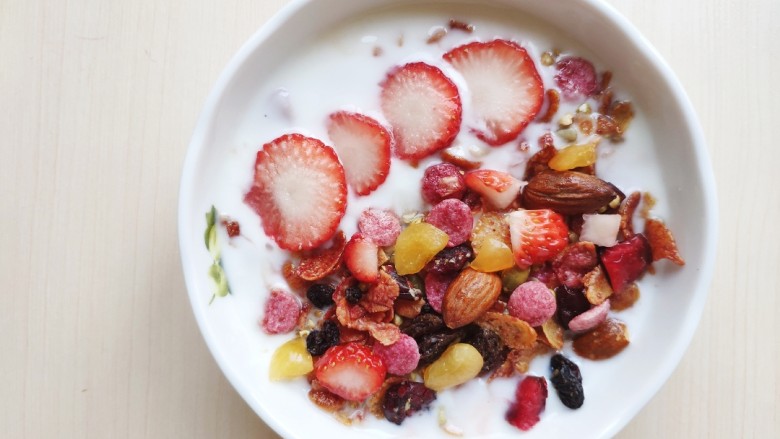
(469, 296)
(568, 192)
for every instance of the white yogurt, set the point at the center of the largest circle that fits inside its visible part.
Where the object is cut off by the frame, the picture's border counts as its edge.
(340, 72)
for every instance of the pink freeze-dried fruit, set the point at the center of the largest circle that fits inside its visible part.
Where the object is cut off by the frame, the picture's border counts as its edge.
(533, 302)
(442, 181)
(576, 77)
(574, 262)
(380, 226)
(531, 397)
(454, 218)
(400, 357)
(281, 312)
(435, 287)
(590, 318)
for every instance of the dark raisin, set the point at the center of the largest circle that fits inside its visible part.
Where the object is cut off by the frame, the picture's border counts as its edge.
(321, 295)
(353, 294)
(567, 380)
(427, 309)
(431, 346)
(571, 302)
(405, 399)
(450, 259)
(489, 345)
(318, 341)
(405, 288)
(421, 325)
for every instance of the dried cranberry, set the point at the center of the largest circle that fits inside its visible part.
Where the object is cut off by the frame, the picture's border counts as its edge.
(450, 259)
(567, 380)
(318, 341)
(405, 399)
(353, 294)
(571, 302)
(321, 295)
(490, 346)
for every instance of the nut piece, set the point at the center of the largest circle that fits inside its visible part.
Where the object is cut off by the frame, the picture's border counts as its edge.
(568, 192)
(469, 296)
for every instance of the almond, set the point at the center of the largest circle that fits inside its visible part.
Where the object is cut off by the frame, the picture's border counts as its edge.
(568, 192)
(469, 296)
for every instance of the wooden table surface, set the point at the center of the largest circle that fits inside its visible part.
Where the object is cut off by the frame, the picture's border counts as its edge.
(98, 100)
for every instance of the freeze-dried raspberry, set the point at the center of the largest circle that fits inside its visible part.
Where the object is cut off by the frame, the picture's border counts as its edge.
(450, 260)
(531, 397)
(435, 286)
(454, 218)
(567, 380)
(574, 262)
(442, 181)
(576, 77)
(571, 302)
(400, 357)
(381, 227)
(533, 302)
(281, 312)
(404, 399)
(590, 318)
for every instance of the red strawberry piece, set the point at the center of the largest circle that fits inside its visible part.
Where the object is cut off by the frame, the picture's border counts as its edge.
(281, 312)
(351, 371)
(435, 286)
(454, 218)
(576, 77)
(536, 235)
(362, 258)
(442, 181)
(531, 397)
(380, 226)
(626, 261)
(423, 107)
(400, 357)
(498, 188)
(506, 90)
(299, 191)
(363, 146)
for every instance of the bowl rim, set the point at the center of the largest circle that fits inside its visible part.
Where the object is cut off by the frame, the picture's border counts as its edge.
(661, 374)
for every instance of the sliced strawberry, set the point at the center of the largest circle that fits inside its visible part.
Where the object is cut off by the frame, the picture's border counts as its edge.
(362, 258)
(351, 371)
(423, 107)
(363, 146)
(626, 261)
(537, 235)
(506, 90)
(498, 188)
(299, 191)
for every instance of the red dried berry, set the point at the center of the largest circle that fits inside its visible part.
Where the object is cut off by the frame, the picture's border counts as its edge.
(576, 77)
(232, 227)
(626, 261)
(281, 312)
(574, 262)
(531, 397)
(454, 218)
(405, 399)
(382, 227)
(442, 181)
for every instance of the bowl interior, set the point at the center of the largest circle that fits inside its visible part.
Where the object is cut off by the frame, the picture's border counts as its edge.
(671, 163)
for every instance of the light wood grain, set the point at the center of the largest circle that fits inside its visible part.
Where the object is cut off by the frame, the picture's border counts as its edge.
(97, 103)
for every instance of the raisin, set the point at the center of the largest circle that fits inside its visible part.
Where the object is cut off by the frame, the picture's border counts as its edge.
(433, 345)
(406, 289)
(567, 380)
(489, 345)
(353, 294)
(318, 341)
(450, 259)
(405, 399)
(423, 324)
(571, 302)
(321, 295)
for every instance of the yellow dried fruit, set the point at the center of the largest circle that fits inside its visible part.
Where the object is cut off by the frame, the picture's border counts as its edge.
(574, 156)
(290, 360)
(493, 255)
(460, 363)
(416, 246)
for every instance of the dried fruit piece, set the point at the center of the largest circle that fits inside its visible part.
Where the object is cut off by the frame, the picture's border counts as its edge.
(662, 243)
(490, 346)
(423, 107)
(423, 324)
(299, 191)
(553, 102)
(319, 340)
(469, 296)
(493, 255)
(290, 360)
(405, 399)
(623, 113)
(597, 287)
(380, 226)
(351, 371)
(442, 181)
(590, 318)
(568, 192)
(400, 357)
(435, 287)
(601, 230)
(450, 260)
(574, 156)
(515, 333)
(605, 341)
(574, 262)
(491, 225)
(536, 235)
(325, 399)
(321, 295)
(281, 312)
(626, 261)
(571, 302)
(416, 246)
(576, 77)
(460, 363)
(322, 262)
(454, 218)
(538, 162)
(567, 380)
(433, 345)
(530, 399)
(532, 302)
(363, 146)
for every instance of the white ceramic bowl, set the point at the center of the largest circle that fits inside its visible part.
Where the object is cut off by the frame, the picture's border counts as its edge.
(673, 165)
